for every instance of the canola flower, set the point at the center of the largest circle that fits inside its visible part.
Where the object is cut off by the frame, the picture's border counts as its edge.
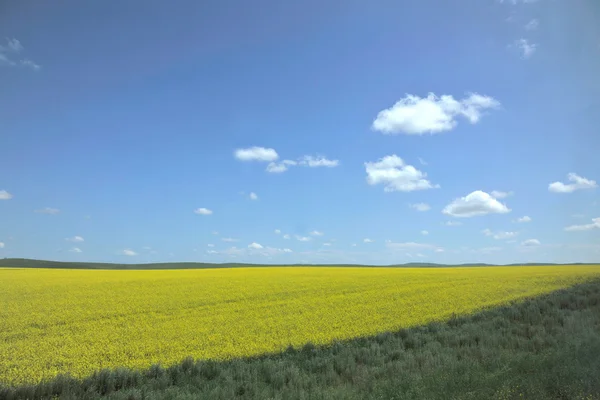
(56, 321)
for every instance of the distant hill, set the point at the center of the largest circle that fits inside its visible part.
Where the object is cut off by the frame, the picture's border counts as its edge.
(29, 263)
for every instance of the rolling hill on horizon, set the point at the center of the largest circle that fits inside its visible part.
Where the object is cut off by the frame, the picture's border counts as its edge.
(31, 263)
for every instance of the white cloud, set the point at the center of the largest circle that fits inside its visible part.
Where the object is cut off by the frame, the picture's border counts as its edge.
(277, 232)
(318, 161)
(439, 250)
(30, 64)
(354, 245)
(210, 245)
(326, 244)
(203, 211)
(129, 252)
(1, 245)
(414, 115)
(532, 25)
(530, 243)
(4, 195)
(475, 204)
(527, 49)
(317, 233)
(12, 48)
(500, 195)
(211, 252)
(227, 239)
(453, 223)
(421, 206)
(75, 239)
(256, 154)
(255, 245)
(12, 45)
(424, 232)
(578, 183)
(409, 246)
(48, 210)
(215, 233)
(253, 196)
(367, 240)
(594, 225)
(287, 250)
(392, 172)
(499, 235)
(75, 250)
(303, 238)
(524, 218)
(277, 168)
(423, 162)
(286, 236)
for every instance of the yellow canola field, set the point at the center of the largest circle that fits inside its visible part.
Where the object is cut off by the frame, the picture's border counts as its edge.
(78, 321)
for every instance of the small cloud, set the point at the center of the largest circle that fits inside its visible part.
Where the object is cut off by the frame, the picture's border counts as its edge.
(8, 51)
(318, 161)
(4, 195)
(255, 246)
(75, 239)
(530, 243)
(578, 183)
(317, 233)
(287, 250)
(326, 244)
(423, 232)
(453, 223)
(474, 204)
(129, 252)
(286, 236)
(527, 49)
(413, 115)
(420, 206)
(523, 219)
(211, 251)
(499, 235)
(409, 246)
(210, 245)
(30, 64)
(1, 245)
(532, 25)
(421, 161)
(253, 196)
(500, 195)
(48, 210)
(439, 250)
(303, 238)
(226, 239)
(367, 240)
(353, 244)
(277, 232)
(586, 227)
(75, 250)
(215, 233)
(395, 175)
(256, 154)
(203, 211)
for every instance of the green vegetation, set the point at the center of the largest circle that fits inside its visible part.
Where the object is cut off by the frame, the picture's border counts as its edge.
(542, 348)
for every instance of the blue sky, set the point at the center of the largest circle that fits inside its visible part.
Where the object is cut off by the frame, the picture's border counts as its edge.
(301, 132)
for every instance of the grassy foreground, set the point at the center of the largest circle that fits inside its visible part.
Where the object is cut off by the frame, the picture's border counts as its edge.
(81, 321)
(542, 348)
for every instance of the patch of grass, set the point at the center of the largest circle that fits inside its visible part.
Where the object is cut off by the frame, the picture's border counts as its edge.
(546, 347)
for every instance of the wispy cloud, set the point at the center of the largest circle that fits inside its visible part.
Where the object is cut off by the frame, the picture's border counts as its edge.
(4, 195)
(525, 47)
(48, 210)
(9, 55)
